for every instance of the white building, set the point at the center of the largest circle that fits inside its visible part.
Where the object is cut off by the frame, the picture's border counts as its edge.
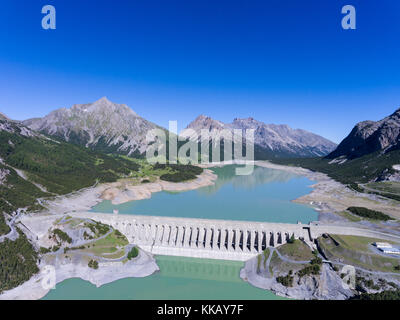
(380, 245)
(390, 250)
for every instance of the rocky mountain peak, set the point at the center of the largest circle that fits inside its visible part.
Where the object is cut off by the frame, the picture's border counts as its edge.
(279, 139)
(103, 105)
(370, 136)
(205, 122)
(102, 125)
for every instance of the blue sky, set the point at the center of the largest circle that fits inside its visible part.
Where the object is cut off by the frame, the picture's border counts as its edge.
(279, 61)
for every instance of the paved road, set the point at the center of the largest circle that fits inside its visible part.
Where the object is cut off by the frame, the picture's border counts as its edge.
(272, 250)
(13, 234)
(83, 243)
(365, 270)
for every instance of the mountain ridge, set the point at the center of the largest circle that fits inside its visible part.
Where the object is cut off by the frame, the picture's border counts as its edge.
(101, 125)
(279, 139)
(370, 136)
(370, 153)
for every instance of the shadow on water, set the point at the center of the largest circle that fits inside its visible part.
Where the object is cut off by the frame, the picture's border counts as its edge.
(260, 176)
(178, 279)
(202, 269)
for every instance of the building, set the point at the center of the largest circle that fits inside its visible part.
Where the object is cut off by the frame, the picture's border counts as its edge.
(380, 245)
(390, 250)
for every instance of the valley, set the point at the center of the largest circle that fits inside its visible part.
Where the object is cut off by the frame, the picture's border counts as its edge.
(73, 170)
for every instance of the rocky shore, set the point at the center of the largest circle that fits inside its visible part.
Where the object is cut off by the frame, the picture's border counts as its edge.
(329, 196)
(142, 266)
(326, 286)
(120, 193)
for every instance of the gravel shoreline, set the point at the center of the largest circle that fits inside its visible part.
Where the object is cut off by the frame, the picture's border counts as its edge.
(142, 266)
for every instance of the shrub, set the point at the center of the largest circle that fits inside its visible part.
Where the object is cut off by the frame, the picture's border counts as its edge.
(93, 264)
(286, 281)
(44, 250)
(368, 213)
(291, 239)
(133, 253)
(310, 269)
(64, 237)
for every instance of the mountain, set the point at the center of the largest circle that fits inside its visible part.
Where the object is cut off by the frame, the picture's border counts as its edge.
(274, 140)
(370, 136)
(102, 125)
(33, 165)
(371, 152)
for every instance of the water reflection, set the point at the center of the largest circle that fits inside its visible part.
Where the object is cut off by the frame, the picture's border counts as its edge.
(263, 196)
(202, 269)
(260, 176)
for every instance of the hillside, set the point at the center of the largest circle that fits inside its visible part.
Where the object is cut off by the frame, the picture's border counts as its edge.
(370, 136)
(34, 166)
(369, 153)
(372, 167)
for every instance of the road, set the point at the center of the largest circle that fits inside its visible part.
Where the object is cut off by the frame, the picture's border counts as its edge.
(283, 258)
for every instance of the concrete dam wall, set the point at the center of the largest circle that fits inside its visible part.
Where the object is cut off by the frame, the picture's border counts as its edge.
(206, 238)
(202, 238)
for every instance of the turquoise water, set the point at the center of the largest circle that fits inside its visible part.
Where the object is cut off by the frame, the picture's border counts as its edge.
(179, 278)
(263, 196)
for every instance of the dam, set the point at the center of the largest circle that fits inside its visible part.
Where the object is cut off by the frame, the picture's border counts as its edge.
(217, 239)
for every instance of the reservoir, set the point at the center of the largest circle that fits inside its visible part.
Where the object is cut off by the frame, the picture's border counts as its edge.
(263, 196)
(179, 278)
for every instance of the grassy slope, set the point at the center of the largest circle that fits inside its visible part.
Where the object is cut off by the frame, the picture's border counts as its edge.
(297, 250)
(355, 251)
(360, 170)
(357, 171)
(60, 168)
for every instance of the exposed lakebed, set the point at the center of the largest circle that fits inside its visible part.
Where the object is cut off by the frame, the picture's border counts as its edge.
(264, 195)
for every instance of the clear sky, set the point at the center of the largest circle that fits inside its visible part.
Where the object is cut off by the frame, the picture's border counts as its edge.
(278, 61)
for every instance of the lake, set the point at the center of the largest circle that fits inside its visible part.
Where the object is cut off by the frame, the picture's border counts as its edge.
(263, 196)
